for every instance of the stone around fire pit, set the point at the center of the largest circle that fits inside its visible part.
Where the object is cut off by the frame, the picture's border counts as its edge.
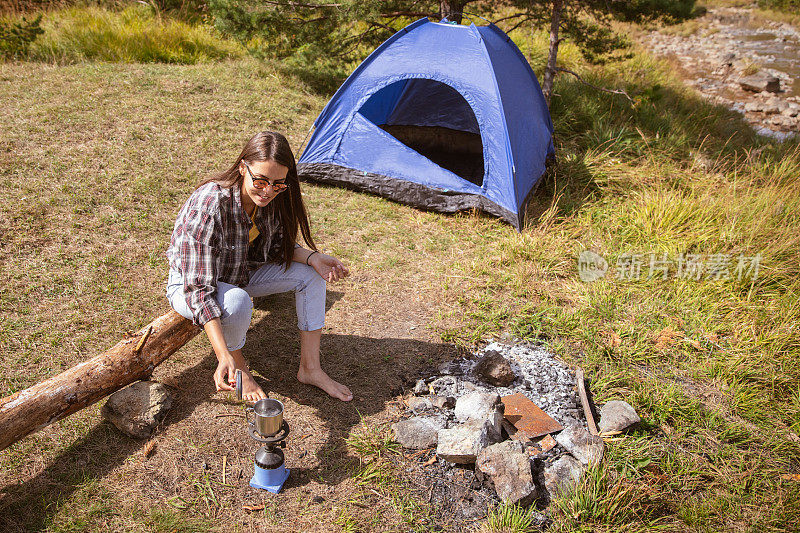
(495, 370)
(463, 443)
(508, 469)
(481, 406)
(617, 415)
(418, 433)
(584, 447)
(443, 402)
(562, 475)
(417, 405)
(445, 386)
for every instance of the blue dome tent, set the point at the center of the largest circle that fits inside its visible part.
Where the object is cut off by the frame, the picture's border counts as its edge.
(440, 116)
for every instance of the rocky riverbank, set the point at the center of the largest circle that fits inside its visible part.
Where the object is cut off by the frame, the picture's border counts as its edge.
(736, 59)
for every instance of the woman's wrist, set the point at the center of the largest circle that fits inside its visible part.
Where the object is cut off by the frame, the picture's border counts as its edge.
(224, 357)
(308, 257)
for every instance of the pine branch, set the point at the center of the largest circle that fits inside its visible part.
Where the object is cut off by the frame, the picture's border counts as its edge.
(357, 39)
(503, 19)
(406, 14)
(520, 23)
(299, 4)
(603, 89)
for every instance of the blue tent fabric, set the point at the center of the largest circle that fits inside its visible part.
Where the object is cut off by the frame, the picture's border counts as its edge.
(460, 79)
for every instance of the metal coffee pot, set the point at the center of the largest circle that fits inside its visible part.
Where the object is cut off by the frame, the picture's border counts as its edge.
(267, 413)
(267, 416)
(270, 429)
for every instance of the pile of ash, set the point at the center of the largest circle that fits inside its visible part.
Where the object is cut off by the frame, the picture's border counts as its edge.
(535, 373)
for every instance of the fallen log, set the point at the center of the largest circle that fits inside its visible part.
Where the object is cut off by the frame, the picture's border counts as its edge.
(132, 359)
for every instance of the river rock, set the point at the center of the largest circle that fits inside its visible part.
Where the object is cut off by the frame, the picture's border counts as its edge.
(507, 468)
(418, 433)
(784, 122)
(420, 387)
(463, 443)
(754, 107)
(761, 82)
(727, 59)
(562, 475)
(137, 409)
(584, 447)
(468, 386)
(617, 415)
(773, 106)
(495, 370)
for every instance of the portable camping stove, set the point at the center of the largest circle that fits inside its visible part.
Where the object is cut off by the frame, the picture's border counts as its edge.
(270, 430)
(270, 472)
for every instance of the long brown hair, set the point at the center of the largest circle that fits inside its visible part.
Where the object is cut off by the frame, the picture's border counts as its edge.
(272, 146)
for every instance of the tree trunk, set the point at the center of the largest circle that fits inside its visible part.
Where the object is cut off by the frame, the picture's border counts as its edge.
(452, 9)
(30, 410)
(550, 69)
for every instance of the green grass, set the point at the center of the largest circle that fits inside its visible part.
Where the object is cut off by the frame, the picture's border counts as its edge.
(135, 34)
(97, 158)
(379, 473)
(510, 519)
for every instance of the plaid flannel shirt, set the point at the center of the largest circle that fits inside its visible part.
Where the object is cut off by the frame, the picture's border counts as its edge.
(210, 243)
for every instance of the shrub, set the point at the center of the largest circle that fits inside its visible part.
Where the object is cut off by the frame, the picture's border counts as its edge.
(16, 37)
(780, 5)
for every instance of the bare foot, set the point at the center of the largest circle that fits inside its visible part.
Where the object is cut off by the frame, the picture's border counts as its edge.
(319, 378)
(251, 392)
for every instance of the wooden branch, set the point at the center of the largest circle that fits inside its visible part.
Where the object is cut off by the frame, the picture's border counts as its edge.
(358, 41)
(603, 89)
(300, 4)
(515, 15)
(406, 14)
(520, 23)
(587, 409)
(34, 408)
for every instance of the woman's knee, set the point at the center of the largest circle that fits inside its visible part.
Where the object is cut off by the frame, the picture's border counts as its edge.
(236, 305)
(312, 282)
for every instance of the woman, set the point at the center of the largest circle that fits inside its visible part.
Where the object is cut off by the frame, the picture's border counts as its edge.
(236, 239)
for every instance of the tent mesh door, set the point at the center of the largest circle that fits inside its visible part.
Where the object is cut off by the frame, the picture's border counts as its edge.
(432, 119)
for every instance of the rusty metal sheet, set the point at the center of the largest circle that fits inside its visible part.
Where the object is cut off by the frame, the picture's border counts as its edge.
(527, 417)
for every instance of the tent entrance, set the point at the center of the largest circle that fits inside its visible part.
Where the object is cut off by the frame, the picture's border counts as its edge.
(432, 119)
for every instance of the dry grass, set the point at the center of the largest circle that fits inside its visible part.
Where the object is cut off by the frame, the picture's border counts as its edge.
(97, 158)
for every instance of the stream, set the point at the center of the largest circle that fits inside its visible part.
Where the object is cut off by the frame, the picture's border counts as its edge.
(732, 47)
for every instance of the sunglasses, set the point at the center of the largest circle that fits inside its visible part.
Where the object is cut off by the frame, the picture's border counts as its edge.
(261, 183)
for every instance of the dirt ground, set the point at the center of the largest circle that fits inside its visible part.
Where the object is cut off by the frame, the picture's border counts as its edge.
(377, 349)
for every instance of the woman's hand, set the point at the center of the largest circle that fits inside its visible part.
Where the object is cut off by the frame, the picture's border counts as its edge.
(225, 375)
(330, 268)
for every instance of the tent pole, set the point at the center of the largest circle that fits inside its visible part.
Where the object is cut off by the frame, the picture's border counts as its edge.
(305, 139)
